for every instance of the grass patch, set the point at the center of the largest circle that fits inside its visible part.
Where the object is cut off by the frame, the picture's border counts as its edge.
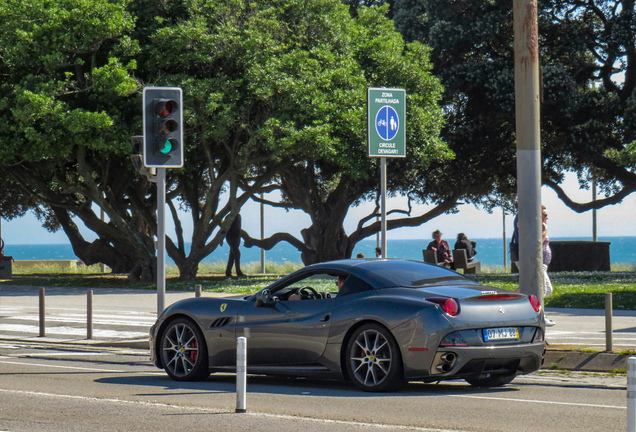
(585, 290)
(55, 269)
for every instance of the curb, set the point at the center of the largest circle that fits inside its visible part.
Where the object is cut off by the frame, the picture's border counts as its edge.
(585, 361)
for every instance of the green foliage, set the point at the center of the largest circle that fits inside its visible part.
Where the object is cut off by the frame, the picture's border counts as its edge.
(56, 57)
(588, 110)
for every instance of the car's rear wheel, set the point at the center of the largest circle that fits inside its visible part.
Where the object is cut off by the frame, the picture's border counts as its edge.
(491, 381)
(184, 354)
(373, 359)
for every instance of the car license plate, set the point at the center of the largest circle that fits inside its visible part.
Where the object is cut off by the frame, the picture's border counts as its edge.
(501, 333)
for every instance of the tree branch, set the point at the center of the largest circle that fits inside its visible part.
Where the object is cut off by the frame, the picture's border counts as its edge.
(272, 241)
(596, 204)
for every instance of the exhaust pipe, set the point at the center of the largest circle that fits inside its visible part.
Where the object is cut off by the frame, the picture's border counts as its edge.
(443, 367)
(448, 357)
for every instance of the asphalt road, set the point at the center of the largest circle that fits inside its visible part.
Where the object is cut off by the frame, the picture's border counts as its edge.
(49, 387)
(126, 314)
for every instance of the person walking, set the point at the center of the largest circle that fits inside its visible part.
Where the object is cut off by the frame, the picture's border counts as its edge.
(233, 238)
(547, 258)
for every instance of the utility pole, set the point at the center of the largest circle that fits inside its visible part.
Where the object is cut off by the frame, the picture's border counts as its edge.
(594, 221)
(527, 100)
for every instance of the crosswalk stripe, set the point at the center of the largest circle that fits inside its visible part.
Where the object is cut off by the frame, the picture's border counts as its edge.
(71, 331)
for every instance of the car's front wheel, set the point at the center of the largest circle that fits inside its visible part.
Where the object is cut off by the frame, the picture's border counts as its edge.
(373, 359)
(184, 354)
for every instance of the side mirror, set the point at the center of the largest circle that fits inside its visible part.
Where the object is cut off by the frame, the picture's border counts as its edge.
(263, 297)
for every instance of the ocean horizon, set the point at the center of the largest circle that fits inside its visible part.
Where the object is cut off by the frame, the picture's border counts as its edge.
(489, 251)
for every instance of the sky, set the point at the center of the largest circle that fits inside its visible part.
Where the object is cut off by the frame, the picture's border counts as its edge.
(477, 224)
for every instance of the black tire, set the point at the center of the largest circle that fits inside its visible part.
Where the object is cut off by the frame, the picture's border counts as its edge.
(183, 351)
(491, 381)
(373, 359)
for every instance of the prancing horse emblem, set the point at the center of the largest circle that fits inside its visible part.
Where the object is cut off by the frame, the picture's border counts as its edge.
(501, 310)
(223, 306)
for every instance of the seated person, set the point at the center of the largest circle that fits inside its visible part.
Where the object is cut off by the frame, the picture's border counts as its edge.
(339, 283)
(463, 243)
(442, 249)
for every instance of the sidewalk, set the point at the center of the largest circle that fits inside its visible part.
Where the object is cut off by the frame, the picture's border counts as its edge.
(123, 317)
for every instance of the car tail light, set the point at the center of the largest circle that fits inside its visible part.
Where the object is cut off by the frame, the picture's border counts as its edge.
(534, 301)
(448, 305)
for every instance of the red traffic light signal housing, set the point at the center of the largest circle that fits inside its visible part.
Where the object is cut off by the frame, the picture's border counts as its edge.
(163, 127)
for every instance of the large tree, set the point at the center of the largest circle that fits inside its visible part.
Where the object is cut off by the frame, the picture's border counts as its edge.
(588, 62)
(330, 170)
(270, 87)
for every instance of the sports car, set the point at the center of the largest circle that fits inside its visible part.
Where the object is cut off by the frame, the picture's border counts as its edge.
(375, 322)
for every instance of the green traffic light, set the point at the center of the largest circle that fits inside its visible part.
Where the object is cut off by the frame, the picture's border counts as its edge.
(168, 146)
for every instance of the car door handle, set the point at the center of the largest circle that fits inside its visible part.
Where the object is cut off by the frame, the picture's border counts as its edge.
(326, 318)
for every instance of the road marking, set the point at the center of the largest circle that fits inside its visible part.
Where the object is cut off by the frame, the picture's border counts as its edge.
(81, 319)
(539, 401)
(63, 354)
(71, 331)
(61, 367)
(227, 411)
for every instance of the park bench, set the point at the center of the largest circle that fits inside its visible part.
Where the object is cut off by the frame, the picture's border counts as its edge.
(460, 258)
(430, 257)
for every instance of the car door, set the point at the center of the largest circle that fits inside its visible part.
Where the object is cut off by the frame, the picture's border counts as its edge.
(287, 332)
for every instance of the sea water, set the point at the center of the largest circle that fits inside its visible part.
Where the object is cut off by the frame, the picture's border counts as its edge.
(489, 251)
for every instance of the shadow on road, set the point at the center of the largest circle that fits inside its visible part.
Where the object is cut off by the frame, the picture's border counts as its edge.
(226, 383)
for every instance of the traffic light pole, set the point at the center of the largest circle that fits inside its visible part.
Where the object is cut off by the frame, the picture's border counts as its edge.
(161, 240)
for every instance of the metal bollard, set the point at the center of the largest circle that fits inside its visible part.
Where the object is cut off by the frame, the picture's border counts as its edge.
(197, 290)
(42, 305)
(89, 314)
(608, 322)
(631, 394)
(241, 373)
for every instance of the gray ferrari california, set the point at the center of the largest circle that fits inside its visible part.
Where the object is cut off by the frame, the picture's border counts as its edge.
(375, 322)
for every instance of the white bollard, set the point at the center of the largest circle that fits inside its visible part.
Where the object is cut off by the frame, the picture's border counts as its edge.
(241, 373)
(42, 293)
(631, 394)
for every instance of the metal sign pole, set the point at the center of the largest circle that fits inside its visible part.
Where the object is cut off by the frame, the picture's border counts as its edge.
(262, 235)
(383, 205)
(161, 239)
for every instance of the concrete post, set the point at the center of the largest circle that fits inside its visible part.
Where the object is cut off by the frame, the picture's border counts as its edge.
(631, 394)
(241, 374)
(527, 99)
(197, 290)
(89, 314)
(608, 322)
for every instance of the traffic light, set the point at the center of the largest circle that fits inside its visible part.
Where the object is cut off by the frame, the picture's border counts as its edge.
(163, 127)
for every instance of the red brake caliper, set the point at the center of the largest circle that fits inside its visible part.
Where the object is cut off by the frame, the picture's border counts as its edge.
(193, 354)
